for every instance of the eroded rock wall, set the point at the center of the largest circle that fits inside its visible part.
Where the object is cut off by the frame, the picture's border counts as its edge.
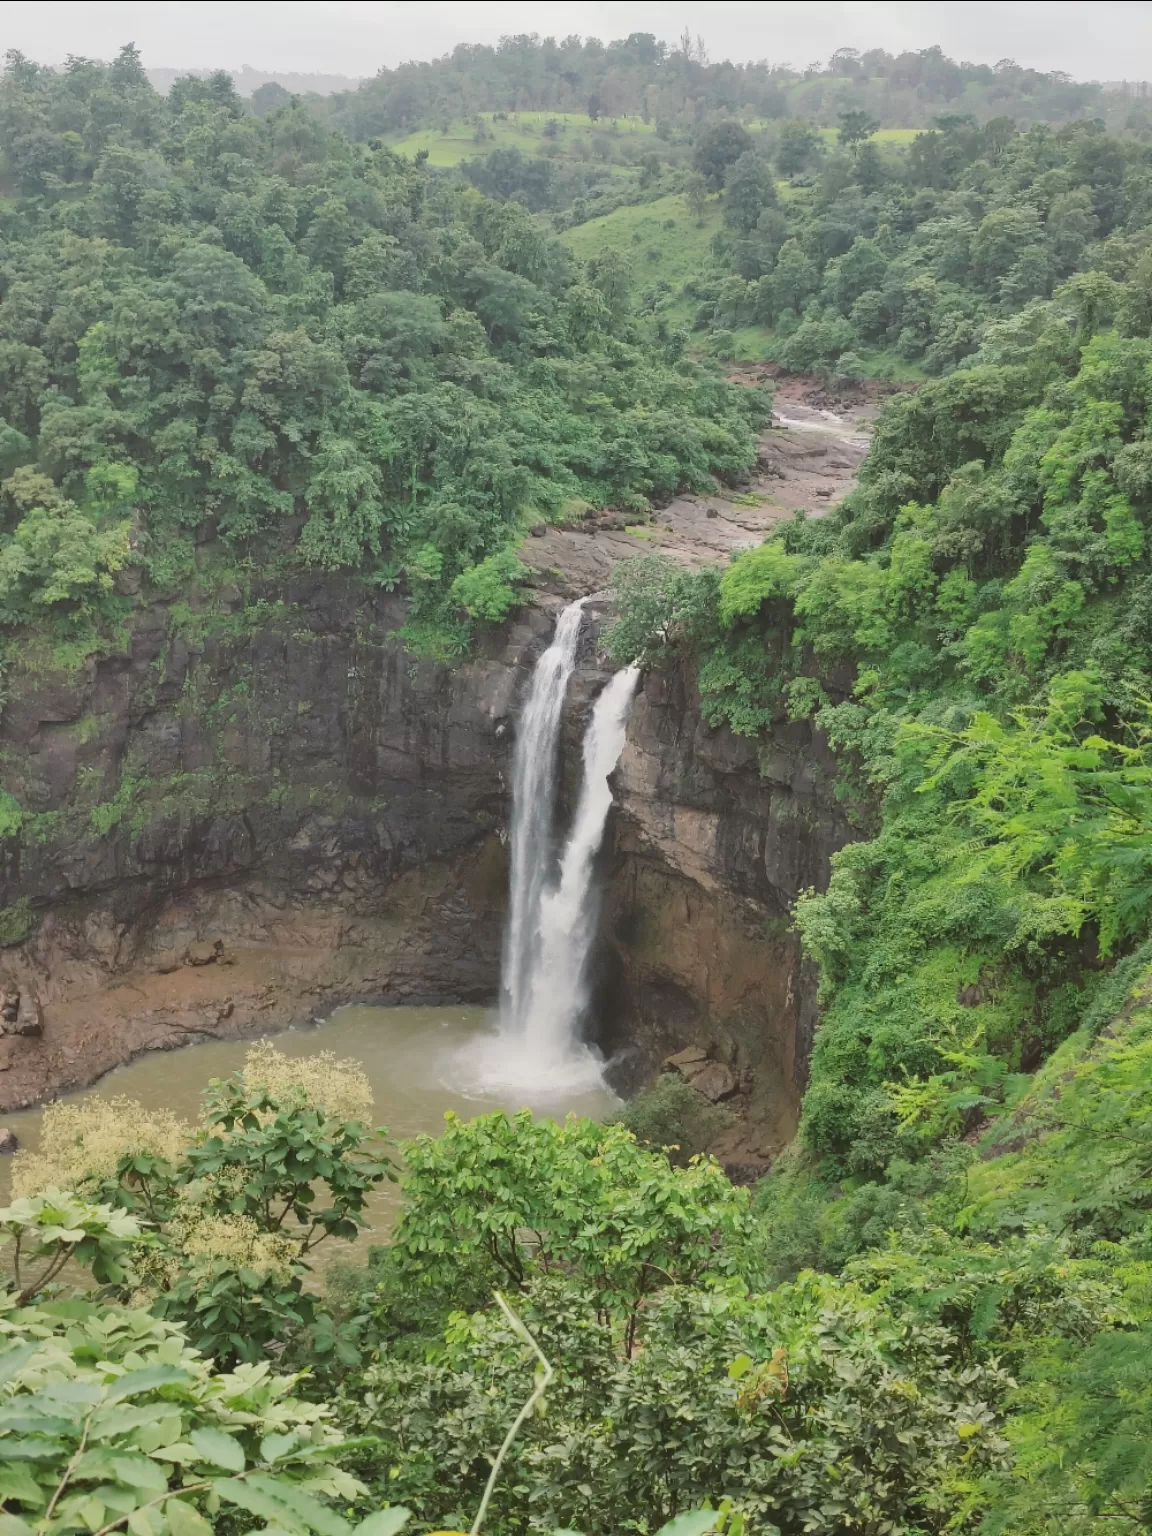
(282, 778)
(713, 839)
(256, 810)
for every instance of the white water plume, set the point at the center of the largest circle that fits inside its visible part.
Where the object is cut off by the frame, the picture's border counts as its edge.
(533, 803)
(552, 920)
(557, 993)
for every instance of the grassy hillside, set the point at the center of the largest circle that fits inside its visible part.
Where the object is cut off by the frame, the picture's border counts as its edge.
(665, 240)
(668, 245)
(578, 138)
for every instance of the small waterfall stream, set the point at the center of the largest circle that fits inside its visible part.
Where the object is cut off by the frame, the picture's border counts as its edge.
(552, 917)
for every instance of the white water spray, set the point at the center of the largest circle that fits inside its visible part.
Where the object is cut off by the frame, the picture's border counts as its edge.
(557, 993)
(552, 921)
(533, 803)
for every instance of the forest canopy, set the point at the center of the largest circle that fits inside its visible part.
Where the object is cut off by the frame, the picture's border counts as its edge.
(642, 76)
(242, 331)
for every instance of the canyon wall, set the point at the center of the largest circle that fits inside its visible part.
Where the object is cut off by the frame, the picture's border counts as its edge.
(249, 812)
(250, 807)
(256, 810)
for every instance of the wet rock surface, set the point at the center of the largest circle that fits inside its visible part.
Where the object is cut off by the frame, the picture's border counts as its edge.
(713, 840)
(808, 460)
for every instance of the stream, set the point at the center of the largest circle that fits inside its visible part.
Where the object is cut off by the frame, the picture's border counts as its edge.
(417, 1060)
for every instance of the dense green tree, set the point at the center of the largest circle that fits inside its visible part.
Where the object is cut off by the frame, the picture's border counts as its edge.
(717, 149)
(798, 147)
(748, 190)
(856, 126)
(268, 97)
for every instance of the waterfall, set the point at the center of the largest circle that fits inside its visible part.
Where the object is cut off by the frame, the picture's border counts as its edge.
(533, 802)
(557, 994)
(552, 915)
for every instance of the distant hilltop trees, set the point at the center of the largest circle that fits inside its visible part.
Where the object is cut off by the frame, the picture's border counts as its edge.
(248, 81)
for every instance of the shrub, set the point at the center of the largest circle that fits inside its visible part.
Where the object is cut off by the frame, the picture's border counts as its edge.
(499, 1199)
(673, 1117)
(110, 1422)
(230, 1205)
(487, 591)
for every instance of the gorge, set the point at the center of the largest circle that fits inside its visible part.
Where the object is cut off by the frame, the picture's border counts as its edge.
(317, 818)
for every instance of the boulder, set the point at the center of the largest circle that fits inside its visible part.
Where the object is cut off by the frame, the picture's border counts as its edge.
(714, 1080)
(204, 952)
(29, 1021)
(9, 1141)
(690, 1056)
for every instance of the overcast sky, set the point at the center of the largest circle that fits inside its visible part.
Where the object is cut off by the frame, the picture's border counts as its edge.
(1103, 39)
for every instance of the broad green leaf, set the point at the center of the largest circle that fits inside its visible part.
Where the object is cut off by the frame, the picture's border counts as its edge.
(315, 1514)
(181, 1452)
(385, 1522)
(12, 1525)
(24, 1418)
(81, 1392)
(146, 1380)
(91, 1510)
(219, 1448)
(693, 1522)
(272, 1447)
(185, 1520)
(30, 1450)
(17, 1482)
(14, 1360)
(96, 1462)
(138, 1471)
(110, 1421)
(235, 1490)
(119, 1499)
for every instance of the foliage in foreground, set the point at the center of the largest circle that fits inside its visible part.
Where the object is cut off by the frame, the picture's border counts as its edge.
(811, 1409)
(110, 1421)
(213, 1224)
(973, 1357)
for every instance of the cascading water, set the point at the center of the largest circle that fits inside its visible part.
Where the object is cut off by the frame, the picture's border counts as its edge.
(533, 805)
(552, 921)
(557, 992)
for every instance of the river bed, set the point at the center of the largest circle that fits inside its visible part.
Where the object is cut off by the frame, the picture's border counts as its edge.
(417, 1060)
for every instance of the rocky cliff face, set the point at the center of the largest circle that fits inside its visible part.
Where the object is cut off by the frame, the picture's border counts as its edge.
(244, 814)
(251, 809)
(713, 840)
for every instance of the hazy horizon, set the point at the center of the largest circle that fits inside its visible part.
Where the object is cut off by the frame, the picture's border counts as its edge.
(353, 39)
